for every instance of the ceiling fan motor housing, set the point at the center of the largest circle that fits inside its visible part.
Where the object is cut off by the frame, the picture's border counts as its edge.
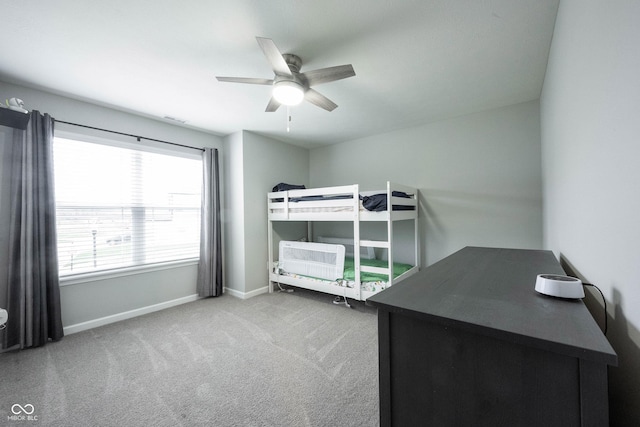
(293, 61)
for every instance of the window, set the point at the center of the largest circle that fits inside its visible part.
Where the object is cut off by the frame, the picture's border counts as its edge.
(120, 207)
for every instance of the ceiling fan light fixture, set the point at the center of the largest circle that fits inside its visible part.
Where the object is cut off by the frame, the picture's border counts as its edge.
(288, 92)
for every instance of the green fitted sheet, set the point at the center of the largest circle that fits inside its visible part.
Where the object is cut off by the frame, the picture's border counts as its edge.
(350, 271)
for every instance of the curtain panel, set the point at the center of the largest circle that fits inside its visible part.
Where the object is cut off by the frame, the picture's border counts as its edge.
(33, 293)
(209, 282)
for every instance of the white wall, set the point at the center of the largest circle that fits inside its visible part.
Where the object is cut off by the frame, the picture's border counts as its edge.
(479, 177)
(233, 213)
(260, 163)
(591, 157)
(93, 303)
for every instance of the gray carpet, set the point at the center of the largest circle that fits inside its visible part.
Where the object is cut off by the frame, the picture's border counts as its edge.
(272, 360)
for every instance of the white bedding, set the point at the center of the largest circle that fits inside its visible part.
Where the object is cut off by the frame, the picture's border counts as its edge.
(376, 286)
(317, 209)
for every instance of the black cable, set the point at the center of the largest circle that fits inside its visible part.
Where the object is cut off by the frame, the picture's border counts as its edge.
(604, 301)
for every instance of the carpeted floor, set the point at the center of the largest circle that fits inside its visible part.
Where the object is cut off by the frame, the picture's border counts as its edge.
(281, 359)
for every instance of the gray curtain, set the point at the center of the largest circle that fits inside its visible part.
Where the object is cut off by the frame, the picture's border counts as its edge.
(210, 265)
(33, 293)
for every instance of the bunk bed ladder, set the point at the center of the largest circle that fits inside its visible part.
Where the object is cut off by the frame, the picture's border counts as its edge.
(381, 243)
(356, 239)
(270, 250)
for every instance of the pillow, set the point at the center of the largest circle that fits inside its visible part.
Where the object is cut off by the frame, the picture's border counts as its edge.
(378, 202)
(284, 187)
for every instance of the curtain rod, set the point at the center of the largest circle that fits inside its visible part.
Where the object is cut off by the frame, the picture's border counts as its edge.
(129, 134)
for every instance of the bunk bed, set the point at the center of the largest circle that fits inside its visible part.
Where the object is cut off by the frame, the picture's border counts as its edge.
(318, 263)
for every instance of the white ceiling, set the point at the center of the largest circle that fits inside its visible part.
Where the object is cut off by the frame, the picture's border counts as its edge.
(416, 61)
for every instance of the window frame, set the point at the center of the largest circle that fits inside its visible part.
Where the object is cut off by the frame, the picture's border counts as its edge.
(121, 141)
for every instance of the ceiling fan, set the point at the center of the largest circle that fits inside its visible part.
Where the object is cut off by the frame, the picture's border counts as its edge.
(290, 86)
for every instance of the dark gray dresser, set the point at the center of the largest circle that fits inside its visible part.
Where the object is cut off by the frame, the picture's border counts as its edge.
(468, 342)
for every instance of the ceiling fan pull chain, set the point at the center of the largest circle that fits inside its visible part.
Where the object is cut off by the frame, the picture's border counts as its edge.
(288, 119)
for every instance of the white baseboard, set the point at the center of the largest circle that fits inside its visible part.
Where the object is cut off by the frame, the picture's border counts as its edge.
(79, 327)
(246, 295)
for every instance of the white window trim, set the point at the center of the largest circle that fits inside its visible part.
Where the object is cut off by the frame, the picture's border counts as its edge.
(80, 278)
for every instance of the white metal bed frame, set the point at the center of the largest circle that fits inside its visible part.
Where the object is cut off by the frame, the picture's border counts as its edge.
(281, 207)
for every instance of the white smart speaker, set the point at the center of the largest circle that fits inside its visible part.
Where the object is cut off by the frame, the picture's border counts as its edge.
(3, 317)
(560, 286)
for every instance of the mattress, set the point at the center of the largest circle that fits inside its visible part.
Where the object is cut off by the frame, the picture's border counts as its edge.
(350, 271)
(371, 282)
(318, 209)
(374, 202)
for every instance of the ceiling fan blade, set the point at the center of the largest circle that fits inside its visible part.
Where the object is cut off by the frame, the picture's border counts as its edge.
(320, 100)
(272, 105)
(274, 56)
(248, 80)
(325, 75)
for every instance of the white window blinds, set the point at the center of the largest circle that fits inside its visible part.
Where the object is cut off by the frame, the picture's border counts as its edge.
(119, 207)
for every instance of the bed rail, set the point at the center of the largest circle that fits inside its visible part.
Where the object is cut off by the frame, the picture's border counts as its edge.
(327, 203)
(321, 260)
(341, 203)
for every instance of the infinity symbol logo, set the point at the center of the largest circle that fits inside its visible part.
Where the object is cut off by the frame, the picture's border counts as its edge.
(18, 409)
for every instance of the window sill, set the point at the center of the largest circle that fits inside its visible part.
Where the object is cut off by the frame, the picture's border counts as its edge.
(77, 279)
